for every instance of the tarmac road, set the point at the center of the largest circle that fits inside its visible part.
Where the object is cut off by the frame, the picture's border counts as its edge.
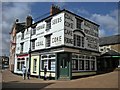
(108, 80)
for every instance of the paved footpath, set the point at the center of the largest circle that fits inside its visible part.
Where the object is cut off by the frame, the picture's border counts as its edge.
(108, 80)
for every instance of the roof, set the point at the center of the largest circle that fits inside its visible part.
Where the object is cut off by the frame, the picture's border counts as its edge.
(110, 40)
(64, 10)
(20, 26)
(111, 53)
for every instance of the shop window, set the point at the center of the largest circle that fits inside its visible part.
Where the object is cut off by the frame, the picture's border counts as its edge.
(93, 58)
(50, 63)
(87, 65)
(44, 63)
(50, 56)
(53, 65)
(20, 64)
(74, 64)
(34, 65)
(92, 65)
(44, 56)
(81, 64)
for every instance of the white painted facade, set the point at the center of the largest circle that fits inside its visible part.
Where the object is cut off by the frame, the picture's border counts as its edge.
(60, 31)
(63, 28)
(24, 55)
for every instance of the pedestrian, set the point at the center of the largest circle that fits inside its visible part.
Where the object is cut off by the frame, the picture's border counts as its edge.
(45, 72)
(24, 72)
(28, 73)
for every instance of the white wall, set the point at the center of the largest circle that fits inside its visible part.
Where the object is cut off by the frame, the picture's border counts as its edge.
(56, 31)
(26, 41)
(90, 42)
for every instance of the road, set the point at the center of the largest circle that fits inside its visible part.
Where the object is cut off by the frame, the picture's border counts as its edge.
(108, 80)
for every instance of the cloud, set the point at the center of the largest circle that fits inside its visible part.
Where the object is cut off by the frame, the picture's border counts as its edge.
(108, 22)
(83, 11)
(101, 33)
(10, 12)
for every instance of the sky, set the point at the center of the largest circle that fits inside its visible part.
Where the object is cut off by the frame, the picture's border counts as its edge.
(103, 13)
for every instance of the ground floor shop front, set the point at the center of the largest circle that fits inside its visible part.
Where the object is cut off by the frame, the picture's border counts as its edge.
(63, 64)
(21, 60)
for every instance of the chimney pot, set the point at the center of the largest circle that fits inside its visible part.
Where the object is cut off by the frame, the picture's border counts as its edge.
(54, 9)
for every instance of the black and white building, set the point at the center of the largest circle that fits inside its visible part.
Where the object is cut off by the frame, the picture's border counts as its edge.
(64, 42)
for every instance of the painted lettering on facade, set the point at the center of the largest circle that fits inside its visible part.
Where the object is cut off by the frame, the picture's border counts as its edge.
(68, 16)
(56, 39)
(41, 27)
(68, 40)
(58, 20)
(68, 32)
(40, 43)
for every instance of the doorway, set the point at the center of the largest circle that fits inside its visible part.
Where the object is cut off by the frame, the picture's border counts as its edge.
(63, 65)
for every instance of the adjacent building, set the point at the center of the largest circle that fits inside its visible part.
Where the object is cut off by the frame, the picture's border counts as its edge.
(4, 62)
(16, 27)
(64, 42)
(110, 53)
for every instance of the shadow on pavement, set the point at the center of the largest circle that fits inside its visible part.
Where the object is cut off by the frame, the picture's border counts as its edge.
(24, 86)
(98, 73)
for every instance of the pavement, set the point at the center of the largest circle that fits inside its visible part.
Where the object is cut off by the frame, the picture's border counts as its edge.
(108, 80)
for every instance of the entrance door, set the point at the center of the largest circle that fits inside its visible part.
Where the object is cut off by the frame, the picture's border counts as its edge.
(63, 59)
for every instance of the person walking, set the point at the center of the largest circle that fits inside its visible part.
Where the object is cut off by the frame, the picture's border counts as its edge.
(28, 73)
(45, 72)
(24, 72)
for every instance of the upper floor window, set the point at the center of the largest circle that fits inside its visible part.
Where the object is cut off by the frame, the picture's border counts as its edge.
(33, 31)
(33, 44)
(48, 24)
(22, 37)
(78, 40)
(78, 23)
(48, 40)
(22, 44)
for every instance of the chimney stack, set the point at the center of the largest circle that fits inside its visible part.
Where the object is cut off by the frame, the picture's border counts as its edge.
(29, 21)
(54, 9)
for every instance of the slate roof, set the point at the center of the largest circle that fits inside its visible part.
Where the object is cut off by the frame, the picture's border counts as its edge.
(110, 40)
(111, 53)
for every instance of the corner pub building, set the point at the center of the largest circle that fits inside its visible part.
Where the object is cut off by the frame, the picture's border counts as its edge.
(64, 42)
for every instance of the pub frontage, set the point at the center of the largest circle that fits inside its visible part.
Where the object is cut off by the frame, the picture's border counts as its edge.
(66, 43)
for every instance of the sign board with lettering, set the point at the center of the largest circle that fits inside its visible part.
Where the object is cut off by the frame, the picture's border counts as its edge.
(57, 22)
(69, 26)
(57, 38)
(92, 39)
(40, 28)
(40, 43)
